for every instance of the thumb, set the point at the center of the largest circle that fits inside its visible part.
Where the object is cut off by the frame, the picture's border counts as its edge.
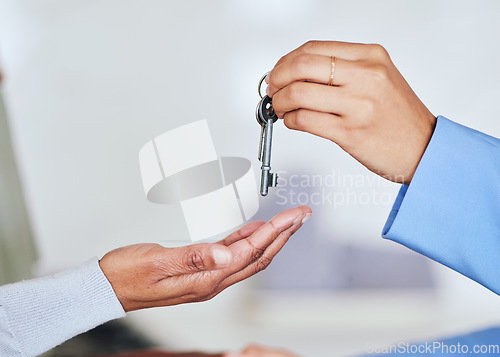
(197, 257)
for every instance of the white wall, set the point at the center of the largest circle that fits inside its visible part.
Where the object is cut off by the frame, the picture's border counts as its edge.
(89, 82)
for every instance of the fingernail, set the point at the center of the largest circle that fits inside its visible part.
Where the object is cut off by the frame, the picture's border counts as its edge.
(267, 77)
(222, 256)
(267, 90)
(307, 216)
(297, 220)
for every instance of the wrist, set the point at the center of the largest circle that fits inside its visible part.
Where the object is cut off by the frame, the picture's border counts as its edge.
(427, 127)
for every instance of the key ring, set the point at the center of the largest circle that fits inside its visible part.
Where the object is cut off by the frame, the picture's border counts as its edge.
(259, 88)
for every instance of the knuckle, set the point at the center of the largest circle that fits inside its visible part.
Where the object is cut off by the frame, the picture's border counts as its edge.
(194, 259)
(256, 254)
(310, 45)
(301, 119)
(281, 60)
(378, 51)
(295, 92)
(301, 64)
(365, 110)
(296, 120)
(377, 73)
(289, 121)
(262, 263)
(357, 129)
(354, 137)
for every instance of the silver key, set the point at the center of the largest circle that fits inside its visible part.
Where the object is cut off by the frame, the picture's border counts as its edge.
(266, 117)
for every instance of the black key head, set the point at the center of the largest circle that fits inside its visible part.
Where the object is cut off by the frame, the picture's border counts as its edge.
(265, 111)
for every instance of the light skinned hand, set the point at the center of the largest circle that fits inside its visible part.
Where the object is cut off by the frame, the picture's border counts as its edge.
(149, 275)
(259, 351)
(371, 112)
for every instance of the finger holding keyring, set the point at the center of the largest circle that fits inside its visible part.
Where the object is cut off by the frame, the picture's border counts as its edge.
(370, 111)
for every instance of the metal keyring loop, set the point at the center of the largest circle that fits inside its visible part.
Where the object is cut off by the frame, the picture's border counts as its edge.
(260, 85)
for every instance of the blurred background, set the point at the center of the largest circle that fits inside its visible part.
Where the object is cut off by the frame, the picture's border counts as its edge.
(87, 83)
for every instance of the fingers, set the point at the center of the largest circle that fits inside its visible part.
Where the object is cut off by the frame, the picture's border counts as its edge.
(255, 253)
(345, 50)
(195, 258)
(371, 111)
(325, 125)
(199, 257)
(249, 255)
(311, 62)
(190, 274)
(242, 233)
(241, 245)
(312, 96)
(310, 68)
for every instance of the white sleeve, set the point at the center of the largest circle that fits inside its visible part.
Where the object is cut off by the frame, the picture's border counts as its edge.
(37, 315)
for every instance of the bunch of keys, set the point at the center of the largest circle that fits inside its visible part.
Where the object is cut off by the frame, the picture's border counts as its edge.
(266, 117)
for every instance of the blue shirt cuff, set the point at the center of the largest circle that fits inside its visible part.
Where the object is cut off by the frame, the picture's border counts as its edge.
(450, 212)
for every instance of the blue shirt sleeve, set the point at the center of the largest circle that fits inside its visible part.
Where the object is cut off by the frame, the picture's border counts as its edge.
(450, 212)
